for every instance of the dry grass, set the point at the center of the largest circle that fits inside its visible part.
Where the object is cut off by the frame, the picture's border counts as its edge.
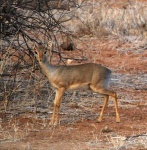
(32, 93)
(29, 92)
(103, 19)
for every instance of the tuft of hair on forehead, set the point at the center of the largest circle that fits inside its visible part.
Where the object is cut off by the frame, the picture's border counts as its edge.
(39, 47)
(43, 47)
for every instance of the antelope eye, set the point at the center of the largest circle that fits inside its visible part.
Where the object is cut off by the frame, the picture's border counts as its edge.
(45, 52)
(35, 52)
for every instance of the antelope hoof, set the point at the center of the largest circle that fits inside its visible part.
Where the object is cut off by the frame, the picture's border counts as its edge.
(53, 123)
(99, 119)
(118, 120)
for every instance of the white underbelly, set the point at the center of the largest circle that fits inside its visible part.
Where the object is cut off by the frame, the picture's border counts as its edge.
(78, 86)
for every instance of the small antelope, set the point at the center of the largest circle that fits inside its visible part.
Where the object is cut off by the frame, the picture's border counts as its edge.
(88, 76)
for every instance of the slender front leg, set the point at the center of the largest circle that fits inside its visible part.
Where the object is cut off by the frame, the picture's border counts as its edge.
(57, 101)
(104, 106)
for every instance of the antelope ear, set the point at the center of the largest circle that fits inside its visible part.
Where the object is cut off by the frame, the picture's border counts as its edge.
(50, 44)
(35, 48)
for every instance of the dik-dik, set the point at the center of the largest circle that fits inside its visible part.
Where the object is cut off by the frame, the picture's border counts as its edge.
(89, 76)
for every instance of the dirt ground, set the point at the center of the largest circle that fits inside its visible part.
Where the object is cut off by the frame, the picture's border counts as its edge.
(78, 129)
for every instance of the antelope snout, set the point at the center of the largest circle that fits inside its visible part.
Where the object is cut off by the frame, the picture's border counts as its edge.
(41, 59)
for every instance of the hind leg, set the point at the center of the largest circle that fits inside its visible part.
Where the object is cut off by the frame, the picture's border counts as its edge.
(104, 106)
(107, 93)
(116, 108)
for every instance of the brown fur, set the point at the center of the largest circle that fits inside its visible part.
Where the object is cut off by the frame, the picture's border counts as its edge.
(88, 76)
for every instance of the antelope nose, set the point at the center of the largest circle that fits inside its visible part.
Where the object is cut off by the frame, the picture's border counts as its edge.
(40, 59)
